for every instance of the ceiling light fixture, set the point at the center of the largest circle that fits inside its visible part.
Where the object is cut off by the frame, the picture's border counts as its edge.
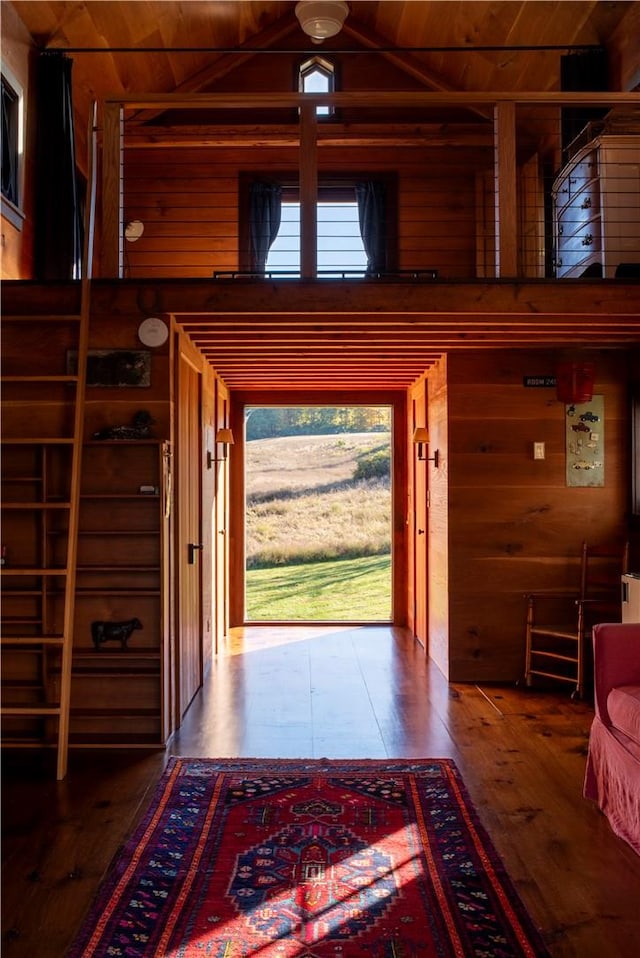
(321, 19)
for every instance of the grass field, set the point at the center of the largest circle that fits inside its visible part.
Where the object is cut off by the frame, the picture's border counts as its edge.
(305, 511)
(339, 590)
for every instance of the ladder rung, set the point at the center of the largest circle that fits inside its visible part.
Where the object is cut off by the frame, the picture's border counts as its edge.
(66, 378)
(30, 710)
(32, 640)
(17, 506)
(37, 440)
(23, 570)
(41, 317)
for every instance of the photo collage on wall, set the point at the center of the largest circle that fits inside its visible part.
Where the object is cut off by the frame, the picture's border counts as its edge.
(585, 442)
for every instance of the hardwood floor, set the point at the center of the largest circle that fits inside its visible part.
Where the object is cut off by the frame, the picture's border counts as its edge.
(339, 692)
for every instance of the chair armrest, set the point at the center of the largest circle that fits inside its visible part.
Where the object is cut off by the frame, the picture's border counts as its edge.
(616, 660)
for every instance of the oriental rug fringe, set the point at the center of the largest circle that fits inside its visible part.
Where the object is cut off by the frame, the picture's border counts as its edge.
(312, 859)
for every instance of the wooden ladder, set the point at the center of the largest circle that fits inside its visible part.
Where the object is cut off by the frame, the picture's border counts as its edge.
(43, 375)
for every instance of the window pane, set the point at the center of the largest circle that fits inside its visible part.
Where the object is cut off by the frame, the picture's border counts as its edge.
(340, 246)
(317, 82)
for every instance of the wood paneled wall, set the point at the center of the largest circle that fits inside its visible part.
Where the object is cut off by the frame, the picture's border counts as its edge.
(191, 204)
(513, 525)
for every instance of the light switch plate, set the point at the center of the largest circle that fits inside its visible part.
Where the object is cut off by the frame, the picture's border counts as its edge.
(538, 450)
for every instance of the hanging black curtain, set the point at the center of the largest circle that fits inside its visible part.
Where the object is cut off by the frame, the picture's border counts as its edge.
(58, 243)
(372, 214)
(266, 204)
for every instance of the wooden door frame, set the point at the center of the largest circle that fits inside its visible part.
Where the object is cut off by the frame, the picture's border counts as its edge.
(418, 519)
(184, 353)
(397, 400)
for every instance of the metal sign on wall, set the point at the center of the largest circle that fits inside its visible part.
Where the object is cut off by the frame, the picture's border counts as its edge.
(584, 424)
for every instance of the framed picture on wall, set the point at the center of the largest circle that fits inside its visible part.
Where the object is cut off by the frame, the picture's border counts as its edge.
(114, 367)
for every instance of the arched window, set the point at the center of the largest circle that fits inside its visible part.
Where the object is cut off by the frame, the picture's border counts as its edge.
(317, 75)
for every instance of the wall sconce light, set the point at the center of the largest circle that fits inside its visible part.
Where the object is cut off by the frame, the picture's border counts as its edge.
(421, 440)
(225, 437)
(321, 19)
(133, 230)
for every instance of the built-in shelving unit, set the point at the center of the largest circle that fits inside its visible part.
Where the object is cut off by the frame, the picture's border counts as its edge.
(117, 695)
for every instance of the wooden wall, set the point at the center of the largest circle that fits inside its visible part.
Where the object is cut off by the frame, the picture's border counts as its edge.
(189, 200)
(513, 525)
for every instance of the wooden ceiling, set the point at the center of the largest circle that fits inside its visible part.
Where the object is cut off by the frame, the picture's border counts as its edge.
(162, 46)
(179, 42)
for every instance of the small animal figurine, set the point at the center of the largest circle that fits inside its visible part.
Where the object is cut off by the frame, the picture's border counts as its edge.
(102, 632)
(140, 428)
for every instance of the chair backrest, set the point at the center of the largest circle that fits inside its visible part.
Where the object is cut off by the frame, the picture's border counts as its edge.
(601, 569)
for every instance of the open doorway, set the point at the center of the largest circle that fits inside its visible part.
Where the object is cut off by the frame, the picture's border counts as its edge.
(318, 513)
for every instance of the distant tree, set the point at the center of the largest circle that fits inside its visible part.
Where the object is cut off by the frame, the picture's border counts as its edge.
(269, 422)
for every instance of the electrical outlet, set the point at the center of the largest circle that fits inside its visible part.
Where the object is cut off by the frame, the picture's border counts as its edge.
(538, 450)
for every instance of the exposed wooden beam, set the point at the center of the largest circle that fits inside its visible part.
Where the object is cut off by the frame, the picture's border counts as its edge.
(433, 135)
(384, 99)
(545, 302)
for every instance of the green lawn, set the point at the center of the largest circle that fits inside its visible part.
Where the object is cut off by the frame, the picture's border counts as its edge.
(338, 590)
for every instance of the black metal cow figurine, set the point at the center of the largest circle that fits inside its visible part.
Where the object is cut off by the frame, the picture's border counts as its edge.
(102, 632)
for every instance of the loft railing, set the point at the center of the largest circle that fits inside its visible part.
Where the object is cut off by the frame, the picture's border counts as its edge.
(474, 183)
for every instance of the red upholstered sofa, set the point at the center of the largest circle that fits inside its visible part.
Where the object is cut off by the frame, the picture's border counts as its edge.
(613, 766)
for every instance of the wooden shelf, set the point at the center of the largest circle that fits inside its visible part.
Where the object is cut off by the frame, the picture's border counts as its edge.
(151, 496)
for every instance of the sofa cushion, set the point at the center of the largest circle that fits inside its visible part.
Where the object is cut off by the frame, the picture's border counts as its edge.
(623, 706)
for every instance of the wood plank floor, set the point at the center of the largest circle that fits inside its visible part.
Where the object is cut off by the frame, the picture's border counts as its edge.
(339, 692)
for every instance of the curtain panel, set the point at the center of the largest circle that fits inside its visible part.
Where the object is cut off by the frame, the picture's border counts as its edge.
(58, 243)
(372, 214)
(265, 211)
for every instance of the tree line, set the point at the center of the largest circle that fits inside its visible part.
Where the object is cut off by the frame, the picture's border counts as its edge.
(269, 422)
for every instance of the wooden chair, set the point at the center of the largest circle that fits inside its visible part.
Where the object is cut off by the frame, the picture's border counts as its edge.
(559, 622)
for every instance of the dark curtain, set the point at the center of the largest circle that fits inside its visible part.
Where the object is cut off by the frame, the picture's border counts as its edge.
(372, 214)
(9, 145)
(58, 245)
(266, 203)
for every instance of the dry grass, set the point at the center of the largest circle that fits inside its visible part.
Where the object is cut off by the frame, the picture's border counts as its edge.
(303, 504)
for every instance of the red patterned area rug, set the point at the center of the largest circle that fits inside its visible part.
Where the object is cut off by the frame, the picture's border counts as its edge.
(309, 858)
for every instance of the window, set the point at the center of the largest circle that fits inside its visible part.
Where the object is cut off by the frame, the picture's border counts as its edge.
(356, 217)
(12, 145)
(317, 75)
(340, 246)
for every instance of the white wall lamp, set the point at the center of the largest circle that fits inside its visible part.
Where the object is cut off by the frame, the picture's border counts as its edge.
(421, 440)
(133, 231)
(321, 19)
